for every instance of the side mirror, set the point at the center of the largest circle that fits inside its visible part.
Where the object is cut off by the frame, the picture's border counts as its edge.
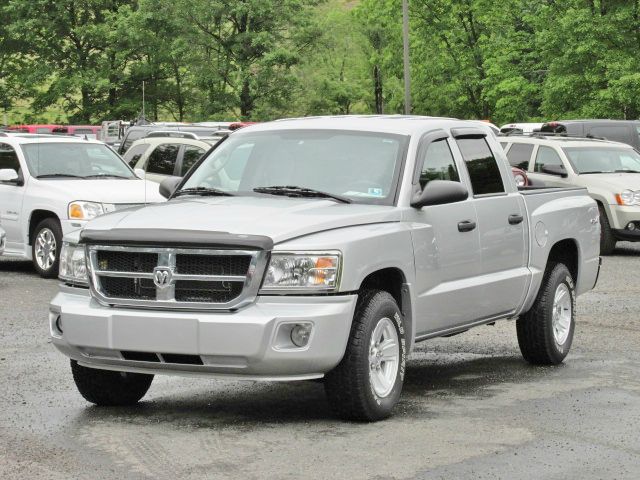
(140, 173)
(8, 175)
(439, 192)
(169, 185)
(557, 170)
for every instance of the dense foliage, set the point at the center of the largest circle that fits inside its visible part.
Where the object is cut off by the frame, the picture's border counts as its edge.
(513, 60)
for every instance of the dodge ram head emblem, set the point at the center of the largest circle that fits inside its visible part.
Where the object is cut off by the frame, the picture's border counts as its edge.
(162, 277)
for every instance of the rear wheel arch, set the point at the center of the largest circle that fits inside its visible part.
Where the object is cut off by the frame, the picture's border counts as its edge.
(566, 252)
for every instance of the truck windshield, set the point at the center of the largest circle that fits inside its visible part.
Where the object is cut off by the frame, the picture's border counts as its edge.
(360, 166)
(603, 159)
(74, 160)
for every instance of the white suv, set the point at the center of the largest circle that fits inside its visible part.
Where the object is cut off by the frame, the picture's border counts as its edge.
(51, 185)
(165, 154)
(610, 171)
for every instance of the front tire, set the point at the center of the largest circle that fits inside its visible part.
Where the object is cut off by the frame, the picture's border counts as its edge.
(110, 388)
(607, 240)
(545, 332)
(367, 383)
(45, 247)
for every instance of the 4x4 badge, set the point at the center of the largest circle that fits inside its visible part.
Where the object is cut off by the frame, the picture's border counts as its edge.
(162, 277)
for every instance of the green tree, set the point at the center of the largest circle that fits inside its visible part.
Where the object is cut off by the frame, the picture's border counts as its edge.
(243, 52)
(69, 45)
(11, 61)
(332, 77)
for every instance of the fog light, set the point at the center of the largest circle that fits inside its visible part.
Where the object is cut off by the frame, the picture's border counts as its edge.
(59, 324)
(300, 334)
(631, 226)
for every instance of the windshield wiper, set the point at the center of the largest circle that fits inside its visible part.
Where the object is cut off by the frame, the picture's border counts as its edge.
(594, 171)
(204, 191)
(293, 191)
(626, 171)
(105, 175)
(55, 175)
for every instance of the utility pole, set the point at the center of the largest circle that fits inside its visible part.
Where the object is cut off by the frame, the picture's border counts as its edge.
(405, 44)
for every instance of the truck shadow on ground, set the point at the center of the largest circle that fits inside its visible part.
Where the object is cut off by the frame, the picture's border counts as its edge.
(250, 404)
(18, 266)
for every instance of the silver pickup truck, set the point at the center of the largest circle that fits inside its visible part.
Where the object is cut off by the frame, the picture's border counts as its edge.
(323, 248)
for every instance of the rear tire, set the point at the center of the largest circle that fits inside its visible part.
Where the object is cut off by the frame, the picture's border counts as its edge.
(607, 240)
(545, 332)
(367, 383)
(46, 245)
(110, 388)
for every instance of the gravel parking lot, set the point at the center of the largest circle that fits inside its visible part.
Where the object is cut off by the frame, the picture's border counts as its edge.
(471, 407)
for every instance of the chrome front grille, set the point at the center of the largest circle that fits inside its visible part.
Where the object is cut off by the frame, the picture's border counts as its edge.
(174, 277)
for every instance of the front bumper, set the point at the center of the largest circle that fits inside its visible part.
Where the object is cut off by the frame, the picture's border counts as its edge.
(247, 343)
(620, 216)
(627, 235)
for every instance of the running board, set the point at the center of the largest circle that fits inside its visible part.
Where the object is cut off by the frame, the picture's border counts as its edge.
(450, 332)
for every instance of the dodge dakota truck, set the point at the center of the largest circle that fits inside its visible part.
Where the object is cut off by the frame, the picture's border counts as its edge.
(323, 248)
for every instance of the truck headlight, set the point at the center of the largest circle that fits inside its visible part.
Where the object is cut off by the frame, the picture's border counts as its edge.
(73, 264)
(304, 271)
(80, 210)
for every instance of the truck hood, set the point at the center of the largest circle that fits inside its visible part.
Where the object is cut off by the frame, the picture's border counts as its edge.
(278, 218)
(105, 191)
(615, 182)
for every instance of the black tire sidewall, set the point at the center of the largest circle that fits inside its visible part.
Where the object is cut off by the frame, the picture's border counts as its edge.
(386, 308)
(108, 387)
(607, 239)
(53, 225)
(559, 275)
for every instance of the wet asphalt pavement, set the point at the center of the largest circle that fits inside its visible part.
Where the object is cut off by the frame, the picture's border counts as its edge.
(471, 407)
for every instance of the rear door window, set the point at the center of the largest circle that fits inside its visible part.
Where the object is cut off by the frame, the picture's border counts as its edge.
(163, 159)
(519, 155)
(547, 156)
(482, 166)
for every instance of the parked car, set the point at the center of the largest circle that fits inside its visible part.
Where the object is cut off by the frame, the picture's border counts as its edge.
(625, 131)
(341, 242)
(50, 186)
(610, 171)
(140, 131)
(46, 128)
(519, 174)
(515, 128)
(158, 157)
(89, 131)
(3, 239)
